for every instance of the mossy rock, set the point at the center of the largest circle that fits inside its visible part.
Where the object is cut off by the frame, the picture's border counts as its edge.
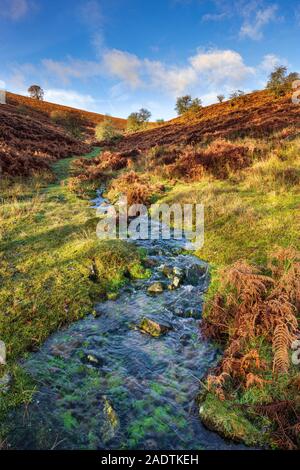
(111, 421)
(154, 328)
(156, 288)
(230, 422)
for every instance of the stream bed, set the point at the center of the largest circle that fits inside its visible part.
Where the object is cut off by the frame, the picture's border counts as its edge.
(104, 384)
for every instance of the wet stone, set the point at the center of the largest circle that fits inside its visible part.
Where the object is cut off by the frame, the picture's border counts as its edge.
(155, 328)
(175, 284)
(167, 271)
(178, 272)
(150, 263)
(185, 339)
(177, 281)
(111, 422)
(188, 313)
(64, 350)
(195, 273)
(156, 288)
(92, 359)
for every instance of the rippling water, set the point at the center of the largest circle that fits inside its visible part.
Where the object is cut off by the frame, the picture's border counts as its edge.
(103, 384)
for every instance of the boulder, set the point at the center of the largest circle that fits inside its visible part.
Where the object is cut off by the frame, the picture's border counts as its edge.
(92, 359)
(111, 421)
(156, 288)
(154, 328)
(176, 283)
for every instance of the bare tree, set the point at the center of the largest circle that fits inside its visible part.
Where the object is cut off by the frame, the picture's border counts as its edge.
(36, 92)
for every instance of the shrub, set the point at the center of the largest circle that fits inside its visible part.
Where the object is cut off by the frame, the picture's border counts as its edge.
(21, 109)
(136, 121)
(219, 159)
(136, 188)
(99, 168)
(71, 121)
(186, 103)
(106, 131)
(280, 82)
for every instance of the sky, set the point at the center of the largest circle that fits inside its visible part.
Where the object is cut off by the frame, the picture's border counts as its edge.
(116, 56)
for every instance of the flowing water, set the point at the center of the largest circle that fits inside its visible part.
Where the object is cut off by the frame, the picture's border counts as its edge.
(103, 384)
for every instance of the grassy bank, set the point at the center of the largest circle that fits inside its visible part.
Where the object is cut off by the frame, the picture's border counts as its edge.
(52, 266)
(251, 216)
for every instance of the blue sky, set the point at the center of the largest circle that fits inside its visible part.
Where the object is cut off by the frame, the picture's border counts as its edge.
(116, 56)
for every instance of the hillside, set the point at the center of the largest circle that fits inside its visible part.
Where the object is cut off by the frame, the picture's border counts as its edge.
(30, 142)
(258, 115)
(44, 108)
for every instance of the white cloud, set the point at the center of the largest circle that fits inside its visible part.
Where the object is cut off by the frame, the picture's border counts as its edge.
(270, 61)
(173, 79)
(70, 98)
(253, 27)
(255, 15)
(215, 67)
(14, 9)
(221, 67)
(205, 74)
(124, 66)
(72, 68)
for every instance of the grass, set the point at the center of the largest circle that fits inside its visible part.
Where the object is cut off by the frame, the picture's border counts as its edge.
(230, 421)
(248, 216)
(52, 266)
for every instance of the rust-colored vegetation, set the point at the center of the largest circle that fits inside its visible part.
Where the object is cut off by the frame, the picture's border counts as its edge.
(35, 133)
(258, 309)
(257, 115)
(137, 188)
(218, 159)
(29, 144)
(43, 108)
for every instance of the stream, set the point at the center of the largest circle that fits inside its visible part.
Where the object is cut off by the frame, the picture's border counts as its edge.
(104, 384)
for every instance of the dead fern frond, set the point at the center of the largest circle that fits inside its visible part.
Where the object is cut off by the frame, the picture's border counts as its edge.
(282, 340)
(253, 380)
(249, 284)
(215, 384)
